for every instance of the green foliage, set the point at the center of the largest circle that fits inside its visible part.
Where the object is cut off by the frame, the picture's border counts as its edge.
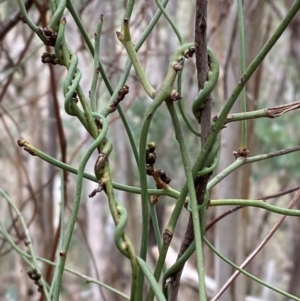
(196, 162)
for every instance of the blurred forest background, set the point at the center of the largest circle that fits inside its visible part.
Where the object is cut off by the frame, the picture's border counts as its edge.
(31, 107)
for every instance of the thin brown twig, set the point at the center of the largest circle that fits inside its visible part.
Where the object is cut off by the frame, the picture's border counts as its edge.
(21, 56)
(29, 222)
(8, 24)
(257, 249)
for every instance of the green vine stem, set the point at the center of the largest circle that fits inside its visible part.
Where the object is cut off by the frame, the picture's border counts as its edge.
(114, 92)
(27, 241)
(177, 265)
(53, 6)
(60, 39)
(8, 239)
(152, 281)
(216, 128)
(257, 61)
(181, 106)
(254, 203)
(242, 69)
(131, 189)
(119, 215)
(128, 64)
(173, 25)
(198, 229)
(96, 66)
(177, 210)
(125, 38)
(129, 9)
(193, 200)
(164, 93)
(88, 42)
(71, 85)
(26, 257)
(272, 112)
(271, 287)
(75, 207)
(240, 161)
(54, 22)
(30, 23)
(259, 203)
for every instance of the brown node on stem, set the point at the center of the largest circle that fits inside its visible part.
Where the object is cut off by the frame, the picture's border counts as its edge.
(21, 142)
(97, 190)
(167, 236)
(49, 58)
(29, 151)
(189, 53)
(119, 35)
(177, 67)
(175, 95)
(241, 153)
(160, 177)
(51, 36)
(121, 95)
(34, 275)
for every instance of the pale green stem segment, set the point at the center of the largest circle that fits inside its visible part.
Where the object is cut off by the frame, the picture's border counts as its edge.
(248, 73)
(26, 258)
(93, 90)
(136, 190)
(240, 161)
(89, 44)
(54, 22)
(257, 203)
(71, 83)
(164, 93)
(254, 203)
(174, 27)
(75, 207)
(242, 70)
(209, 85)
(119, 215)
(60, 39)
(181, 106)
(271, 287)
(198, 228)
(28, 242)
(152, 281)
(125, 38)
(129, 9)
(53, 6)
(30, 23)
(212, 159)
(271, 112)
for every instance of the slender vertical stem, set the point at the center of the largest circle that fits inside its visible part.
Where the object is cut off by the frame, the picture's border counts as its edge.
(96, 66)
(193, 199)
(242, 69)
(75, 208)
